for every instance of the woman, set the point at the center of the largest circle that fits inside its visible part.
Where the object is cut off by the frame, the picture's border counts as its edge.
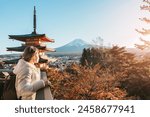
(27, 75)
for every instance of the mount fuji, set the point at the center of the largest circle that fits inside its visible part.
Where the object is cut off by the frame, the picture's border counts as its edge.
(76, 45)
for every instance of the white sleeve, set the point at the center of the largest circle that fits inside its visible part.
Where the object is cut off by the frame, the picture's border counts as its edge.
(27, 88)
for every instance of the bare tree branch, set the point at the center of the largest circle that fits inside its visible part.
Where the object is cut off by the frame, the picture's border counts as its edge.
(145, 7)
(145, 42)
(145, 20)
(141, 47)
(146, 1)
(144, 31)
(145, 45)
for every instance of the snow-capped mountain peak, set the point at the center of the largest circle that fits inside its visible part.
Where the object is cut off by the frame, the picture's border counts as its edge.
(77, 42)
(76, 45)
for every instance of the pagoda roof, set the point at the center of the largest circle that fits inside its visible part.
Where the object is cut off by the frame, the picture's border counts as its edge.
(33, 35)
(21, 48)
(18, 49)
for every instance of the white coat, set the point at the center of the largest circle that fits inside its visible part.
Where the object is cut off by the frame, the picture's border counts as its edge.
(27, 80)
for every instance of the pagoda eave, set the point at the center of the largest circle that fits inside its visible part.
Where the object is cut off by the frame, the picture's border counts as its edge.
(46, 39)
(26, 36)
(21, 48)
(17, 49)
(31, 36)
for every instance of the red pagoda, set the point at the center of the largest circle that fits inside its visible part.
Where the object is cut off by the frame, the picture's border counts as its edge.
(33, 39)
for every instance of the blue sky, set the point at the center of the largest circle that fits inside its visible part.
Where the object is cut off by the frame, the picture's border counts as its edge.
(65, 20)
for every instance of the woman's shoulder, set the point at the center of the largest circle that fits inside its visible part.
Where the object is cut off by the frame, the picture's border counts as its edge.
(24, 66)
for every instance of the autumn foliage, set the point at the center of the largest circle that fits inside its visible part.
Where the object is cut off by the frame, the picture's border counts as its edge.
(105, 74)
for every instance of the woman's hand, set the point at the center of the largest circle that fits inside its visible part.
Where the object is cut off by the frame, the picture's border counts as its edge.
(47, 83)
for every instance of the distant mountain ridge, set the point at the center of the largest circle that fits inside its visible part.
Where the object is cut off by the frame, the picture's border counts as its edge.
(76, 45)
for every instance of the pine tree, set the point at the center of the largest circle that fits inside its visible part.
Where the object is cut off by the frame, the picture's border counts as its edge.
(84, 57)
(144, 32)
